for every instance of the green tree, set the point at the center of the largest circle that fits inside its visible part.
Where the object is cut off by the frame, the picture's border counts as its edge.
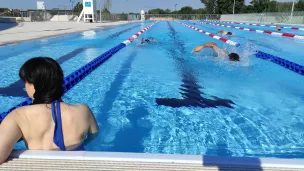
(260, 5)
(223, 6)
(210, 5)
(78, 7)
(157, 11)
(249, 9)
(186, 10)
(300, 6)
(108, 5)
(167, 11)
(105, 11)
(200, 11)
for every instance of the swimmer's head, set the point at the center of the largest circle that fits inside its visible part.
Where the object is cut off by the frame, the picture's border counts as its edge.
(234, 57)
(278, 28)
(43, 79)
(229, 34)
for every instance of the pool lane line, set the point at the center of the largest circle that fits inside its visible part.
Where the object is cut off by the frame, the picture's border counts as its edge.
(297, 68)
(257, 31)
(16, 88)
(253, 24)
(74, 78)
(230, 42)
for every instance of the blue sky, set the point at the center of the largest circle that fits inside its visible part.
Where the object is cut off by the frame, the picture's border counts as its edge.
(117, 6)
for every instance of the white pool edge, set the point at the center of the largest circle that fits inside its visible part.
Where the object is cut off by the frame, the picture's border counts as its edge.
(160, 158)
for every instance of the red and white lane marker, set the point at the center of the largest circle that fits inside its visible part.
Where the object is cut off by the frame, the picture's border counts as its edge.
(258, 31)
(230, 42)
(131, 39)
(261, 25)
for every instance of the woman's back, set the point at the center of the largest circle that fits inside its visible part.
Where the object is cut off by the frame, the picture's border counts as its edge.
(47, 124)
(38, 126)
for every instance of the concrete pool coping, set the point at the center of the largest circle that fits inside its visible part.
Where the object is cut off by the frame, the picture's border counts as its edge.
(27, 159)
(29, 31)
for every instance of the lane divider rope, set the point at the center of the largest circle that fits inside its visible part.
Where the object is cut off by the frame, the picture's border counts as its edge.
(297, 68)
(254, 24)
(257, 31)
(74, 78)
(230, 42)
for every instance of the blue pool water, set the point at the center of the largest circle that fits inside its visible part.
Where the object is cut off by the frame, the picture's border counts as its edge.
(252, 108)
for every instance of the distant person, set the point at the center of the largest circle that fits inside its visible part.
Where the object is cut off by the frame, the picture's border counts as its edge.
(48, 123)
(224, 32)
(148, 40)
(279, 28)
(232, 56)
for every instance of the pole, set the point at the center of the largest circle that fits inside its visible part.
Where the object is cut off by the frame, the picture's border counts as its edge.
(233, 9)
(100, 10)
(233, 6)
(292, 8)
(72, 7)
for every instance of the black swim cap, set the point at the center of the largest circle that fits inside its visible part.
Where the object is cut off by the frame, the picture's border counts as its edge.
(234, 57)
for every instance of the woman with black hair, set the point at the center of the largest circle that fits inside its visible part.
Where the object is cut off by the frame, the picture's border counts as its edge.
(49, 123)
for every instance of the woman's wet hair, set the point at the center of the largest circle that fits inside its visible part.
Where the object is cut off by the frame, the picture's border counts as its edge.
(229, 33)
(234, 57)
(47, 77)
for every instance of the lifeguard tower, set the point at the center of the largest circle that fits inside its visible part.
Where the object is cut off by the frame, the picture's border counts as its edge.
(142, 14)
(89, 11)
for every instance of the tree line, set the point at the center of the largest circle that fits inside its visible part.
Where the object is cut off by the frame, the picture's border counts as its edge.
(226, 7)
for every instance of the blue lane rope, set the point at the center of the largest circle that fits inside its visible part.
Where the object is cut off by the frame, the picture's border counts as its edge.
(71, 80)
(297, 68)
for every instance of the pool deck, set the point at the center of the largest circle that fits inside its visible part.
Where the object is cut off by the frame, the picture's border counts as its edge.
(56, 160)
(18, 32)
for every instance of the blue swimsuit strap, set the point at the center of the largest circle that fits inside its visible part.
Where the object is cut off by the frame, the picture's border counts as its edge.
(58, 134)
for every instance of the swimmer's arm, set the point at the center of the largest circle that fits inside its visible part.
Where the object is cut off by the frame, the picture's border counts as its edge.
(224, 52)
(216, 50)
(199, 48)
(10, 133)
(93, 129)
(221, 31)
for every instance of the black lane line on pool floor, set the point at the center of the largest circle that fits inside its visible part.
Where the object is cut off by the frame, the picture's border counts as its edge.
(125, 140)
(190, 89)
(16, 88)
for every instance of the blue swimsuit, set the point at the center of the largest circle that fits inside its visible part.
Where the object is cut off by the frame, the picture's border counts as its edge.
(58, 134)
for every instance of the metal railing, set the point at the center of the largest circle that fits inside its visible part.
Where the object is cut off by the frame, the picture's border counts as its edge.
(270, 17)
(117, 17)
(183, 17)
(274, 17)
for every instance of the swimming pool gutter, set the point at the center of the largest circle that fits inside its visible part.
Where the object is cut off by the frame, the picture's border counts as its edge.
(49, 159)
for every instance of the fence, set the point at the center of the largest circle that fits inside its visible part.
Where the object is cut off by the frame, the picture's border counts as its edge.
(117, 17)
(272, 17)
(277, 17)
(182, 17)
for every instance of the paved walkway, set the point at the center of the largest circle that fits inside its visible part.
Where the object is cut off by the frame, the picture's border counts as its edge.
(14, 33)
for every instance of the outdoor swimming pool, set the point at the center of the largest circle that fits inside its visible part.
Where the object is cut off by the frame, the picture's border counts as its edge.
(250, 108)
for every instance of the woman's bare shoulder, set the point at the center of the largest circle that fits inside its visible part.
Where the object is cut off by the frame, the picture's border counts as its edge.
(80, 108)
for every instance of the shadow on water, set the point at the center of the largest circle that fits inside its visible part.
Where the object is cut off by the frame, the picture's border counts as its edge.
(219, 157)
(190, 89)
(5, 26)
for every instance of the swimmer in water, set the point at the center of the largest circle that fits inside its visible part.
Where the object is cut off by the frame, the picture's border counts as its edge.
(224, 32)
(232, 56)
(279, 28)
(149, 40)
